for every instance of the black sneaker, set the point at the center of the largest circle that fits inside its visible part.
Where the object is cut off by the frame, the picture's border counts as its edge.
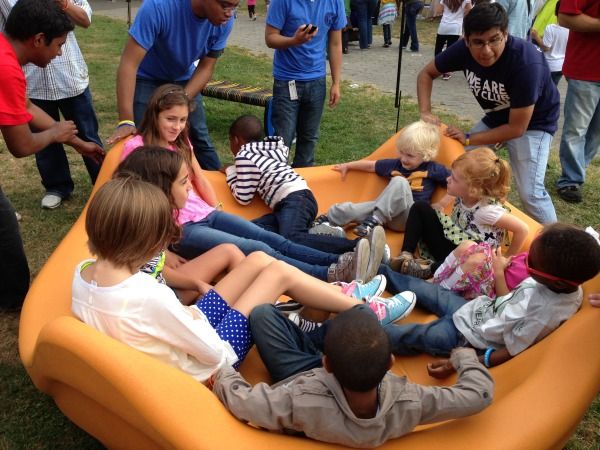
(571, 194)
(365, 228)
(320, 220)
(304, 324)
(289, 307)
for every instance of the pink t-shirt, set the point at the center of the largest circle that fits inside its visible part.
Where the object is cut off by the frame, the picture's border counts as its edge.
(195, 208)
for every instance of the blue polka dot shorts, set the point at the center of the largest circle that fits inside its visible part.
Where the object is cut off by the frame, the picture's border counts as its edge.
(231, 325)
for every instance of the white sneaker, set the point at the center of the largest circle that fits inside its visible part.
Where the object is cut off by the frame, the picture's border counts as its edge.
(51, 201)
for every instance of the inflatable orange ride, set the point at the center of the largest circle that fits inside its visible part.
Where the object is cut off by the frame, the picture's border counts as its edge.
(128, 400)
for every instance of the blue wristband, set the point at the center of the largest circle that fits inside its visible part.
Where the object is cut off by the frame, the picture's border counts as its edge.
(486, 357)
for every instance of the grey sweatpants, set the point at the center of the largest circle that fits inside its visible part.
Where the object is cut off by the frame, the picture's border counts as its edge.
(392, 206)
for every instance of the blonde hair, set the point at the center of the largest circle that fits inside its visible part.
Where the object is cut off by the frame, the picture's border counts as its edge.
(485, 173)
(420, 138)
(129, 221)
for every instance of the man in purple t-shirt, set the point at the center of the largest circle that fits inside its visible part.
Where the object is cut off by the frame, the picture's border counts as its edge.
(511, 81)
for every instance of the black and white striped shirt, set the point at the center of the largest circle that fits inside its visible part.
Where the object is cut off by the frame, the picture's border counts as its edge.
(261, 167)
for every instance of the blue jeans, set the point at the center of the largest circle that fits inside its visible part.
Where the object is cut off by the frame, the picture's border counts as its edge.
(203, 146)
(528, 157)
(581, 131)
(301, 117)
(283, 347)
(438, 337)
(293, 216)
(52, 162)
(364, 12)
(14, 281)
(410, 28)
(220, 227)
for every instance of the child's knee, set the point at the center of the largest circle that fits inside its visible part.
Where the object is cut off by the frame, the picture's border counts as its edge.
(462, 248)
(473, 262)
(260, 258)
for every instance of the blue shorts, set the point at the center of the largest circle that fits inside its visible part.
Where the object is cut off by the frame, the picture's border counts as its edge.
(231, 325)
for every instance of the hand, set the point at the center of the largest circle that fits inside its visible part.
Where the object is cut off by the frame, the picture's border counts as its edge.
(430, 118)
(455, 133)
(594, 299)
(121, 133)
(173, 260)
(334, 95)
(302, 35)
(63, 131)
(91, 150)
(342, 169)
(500, 262)
(442, 368)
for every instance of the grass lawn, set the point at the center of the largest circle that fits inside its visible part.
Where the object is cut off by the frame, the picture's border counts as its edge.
(364, 119)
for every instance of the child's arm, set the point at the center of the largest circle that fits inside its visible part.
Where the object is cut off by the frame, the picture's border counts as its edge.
(202, 186)
(499, 265)
(361, 165)
(443, 368)
(246, 175)
(473, 391)
(519, 230)
(262, 405)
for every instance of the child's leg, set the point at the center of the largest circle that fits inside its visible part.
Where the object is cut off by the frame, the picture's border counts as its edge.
(436, 338)
(344, 213)
(283, 347)
(206, 267)
(280, 278)
(394, 203)
(423, 223)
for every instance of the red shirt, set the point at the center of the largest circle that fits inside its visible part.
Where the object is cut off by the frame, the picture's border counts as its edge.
(582, 58)
(13, 98)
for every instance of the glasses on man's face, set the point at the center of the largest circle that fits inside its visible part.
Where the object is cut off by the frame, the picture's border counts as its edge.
(492, 43)
(227, 7)
(547, 276)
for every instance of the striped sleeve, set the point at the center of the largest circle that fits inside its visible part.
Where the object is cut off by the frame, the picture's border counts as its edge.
(243, 179)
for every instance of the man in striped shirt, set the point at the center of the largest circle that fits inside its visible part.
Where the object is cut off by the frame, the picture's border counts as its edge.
(261, 167)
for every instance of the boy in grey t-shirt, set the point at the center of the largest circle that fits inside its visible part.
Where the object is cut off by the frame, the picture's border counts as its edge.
(560, 259)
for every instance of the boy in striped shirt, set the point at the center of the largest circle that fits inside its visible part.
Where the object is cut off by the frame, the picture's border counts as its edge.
(261, 167)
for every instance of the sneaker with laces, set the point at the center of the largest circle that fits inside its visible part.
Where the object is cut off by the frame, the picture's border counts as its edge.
(571, 194)
(397, 262)
(418, 268)
(387, 255)
(446, 76)
(367, 226)
(304, 324)
(363, 291)
(291, 306)
(351, 266)
(320, 219)
(327, 229)
(376, 244)
(391, 309)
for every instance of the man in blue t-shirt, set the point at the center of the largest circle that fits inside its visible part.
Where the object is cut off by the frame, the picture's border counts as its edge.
(166, 40)
(299, 32)
(511, 81)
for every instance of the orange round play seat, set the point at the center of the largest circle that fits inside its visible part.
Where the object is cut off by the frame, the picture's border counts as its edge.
(128, 400)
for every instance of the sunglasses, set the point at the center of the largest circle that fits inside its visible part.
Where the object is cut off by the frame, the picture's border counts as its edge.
(547, 276)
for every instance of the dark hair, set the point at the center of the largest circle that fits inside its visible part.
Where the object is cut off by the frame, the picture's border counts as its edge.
(165, 97)
(153, 164)
(128, 222)
(453, 5)
(567, 252)
(30, 17)
(484, 17)
(357, 349)
(247, 127)
(556, 8)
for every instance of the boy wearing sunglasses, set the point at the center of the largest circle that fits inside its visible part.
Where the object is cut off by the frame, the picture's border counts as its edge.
(560, 259)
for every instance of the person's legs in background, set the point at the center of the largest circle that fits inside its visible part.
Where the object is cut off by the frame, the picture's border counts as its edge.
(14, 282)
(360, 9)
(580, 136)
(311, 95)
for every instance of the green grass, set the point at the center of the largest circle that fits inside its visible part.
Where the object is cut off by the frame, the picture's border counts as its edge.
(364, 119)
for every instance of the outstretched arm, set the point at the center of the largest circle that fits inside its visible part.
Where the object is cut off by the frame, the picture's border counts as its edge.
(362, 165)
(519, 230)
(424, 89)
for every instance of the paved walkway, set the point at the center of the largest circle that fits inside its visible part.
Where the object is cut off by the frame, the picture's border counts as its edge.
(376, 66)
